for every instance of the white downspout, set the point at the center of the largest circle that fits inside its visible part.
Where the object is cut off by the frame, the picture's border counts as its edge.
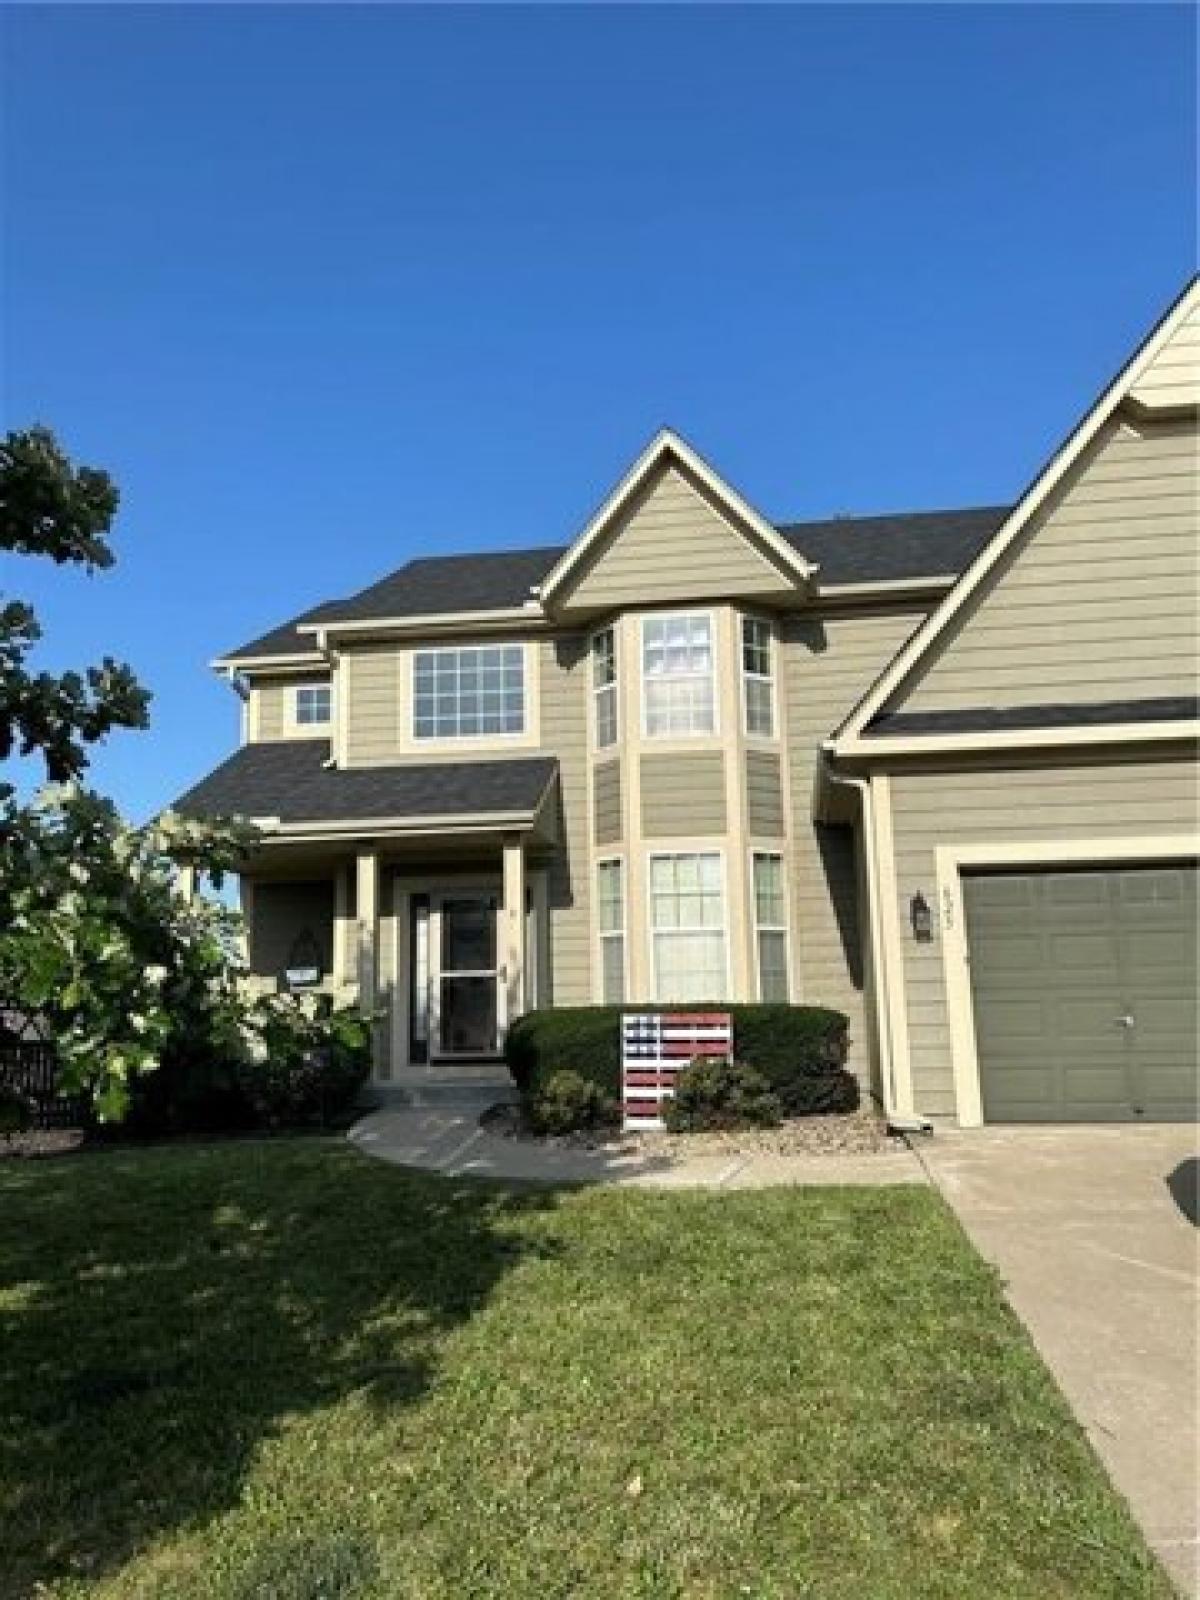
(899, 1118)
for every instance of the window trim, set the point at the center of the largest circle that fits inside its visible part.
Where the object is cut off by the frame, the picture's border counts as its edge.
(785, 927)
(410, 743)
(308, 729)
(594, 693)
(687, 848)
(608, 859)
(771, 679)
(714, 641)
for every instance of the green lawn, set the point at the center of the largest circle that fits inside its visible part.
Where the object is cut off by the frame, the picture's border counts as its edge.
(282, 1370)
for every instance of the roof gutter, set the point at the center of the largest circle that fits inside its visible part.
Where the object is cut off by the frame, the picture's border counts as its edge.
(501, 618)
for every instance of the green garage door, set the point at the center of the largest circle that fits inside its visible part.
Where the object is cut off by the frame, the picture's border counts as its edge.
(1085, 990)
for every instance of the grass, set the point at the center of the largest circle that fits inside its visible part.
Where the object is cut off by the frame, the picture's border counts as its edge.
(280, 1371)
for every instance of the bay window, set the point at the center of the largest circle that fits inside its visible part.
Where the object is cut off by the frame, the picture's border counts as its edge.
(758, 688)
(610, 904)
(687, 922)
(468, 693)
(677, 675)
(770, 926)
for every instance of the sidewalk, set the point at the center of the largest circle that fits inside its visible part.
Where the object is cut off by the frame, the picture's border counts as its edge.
(442, 1134)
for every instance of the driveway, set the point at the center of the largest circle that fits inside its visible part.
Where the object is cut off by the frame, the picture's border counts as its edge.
(1094, 1232)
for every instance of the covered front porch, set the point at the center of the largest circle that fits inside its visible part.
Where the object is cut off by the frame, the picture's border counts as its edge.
(447, 946)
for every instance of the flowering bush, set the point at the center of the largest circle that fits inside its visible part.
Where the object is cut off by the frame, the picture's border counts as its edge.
(132, 976)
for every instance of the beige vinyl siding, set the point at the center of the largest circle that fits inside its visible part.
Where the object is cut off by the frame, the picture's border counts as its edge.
(606, 802)
(1173, 377)
(673, 545)
(764, 794)
(268, 707)
(829, 663)
(987, 805)
(1098, 601)
(370, 676)
(683, 794)
(281, 913)
(564, 686)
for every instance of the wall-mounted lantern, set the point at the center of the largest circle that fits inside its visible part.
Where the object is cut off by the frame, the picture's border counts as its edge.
(921, 918)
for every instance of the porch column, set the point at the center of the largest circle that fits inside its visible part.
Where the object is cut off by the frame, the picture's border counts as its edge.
(513, 924)
(367, 925)
(188, 881)
(343, 927)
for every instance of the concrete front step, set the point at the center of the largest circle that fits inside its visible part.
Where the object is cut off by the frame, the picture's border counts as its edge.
(447, 1090)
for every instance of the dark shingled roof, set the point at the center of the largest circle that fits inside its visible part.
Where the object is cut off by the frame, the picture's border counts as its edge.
(907, 544)
(289, 780)
(916, 544)
(996, 719)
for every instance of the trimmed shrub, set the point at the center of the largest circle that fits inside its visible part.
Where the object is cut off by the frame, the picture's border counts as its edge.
(788, 1045)
(291, 1085)
(567, 1102)
(314, 1087)
(713, 1092)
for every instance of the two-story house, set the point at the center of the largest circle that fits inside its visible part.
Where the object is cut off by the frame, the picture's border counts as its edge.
(936, 769)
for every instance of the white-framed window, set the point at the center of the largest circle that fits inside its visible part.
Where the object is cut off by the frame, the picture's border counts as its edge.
(610, 916)
(312, 704)
(687, 926)
(678, 696)
(758, 681)
(468, 692)
(604, 687)
(770, 927)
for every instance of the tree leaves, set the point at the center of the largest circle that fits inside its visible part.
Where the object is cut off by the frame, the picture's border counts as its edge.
(49, 507)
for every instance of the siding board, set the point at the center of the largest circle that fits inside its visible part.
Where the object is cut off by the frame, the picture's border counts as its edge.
(606, 802)
(828, 666)
(1120, 537)
(674, 545)
(563, 664)
(683, 793)
(764, 794)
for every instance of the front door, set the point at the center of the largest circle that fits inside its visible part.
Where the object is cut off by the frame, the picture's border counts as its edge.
(465, 979)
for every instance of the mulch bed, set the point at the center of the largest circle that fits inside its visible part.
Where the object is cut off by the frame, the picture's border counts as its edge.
(857, 1133)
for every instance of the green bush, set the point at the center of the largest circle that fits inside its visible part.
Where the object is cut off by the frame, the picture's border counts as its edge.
(311, 1084)
(567, 1102)
(297, 1079)
(713, 1092)
(799, 1050)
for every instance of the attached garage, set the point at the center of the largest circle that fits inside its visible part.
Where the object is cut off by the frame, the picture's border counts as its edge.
(1083, 988)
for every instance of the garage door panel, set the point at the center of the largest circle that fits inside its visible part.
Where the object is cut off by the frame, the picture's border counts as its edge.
(1091, 955)
(1057, 959)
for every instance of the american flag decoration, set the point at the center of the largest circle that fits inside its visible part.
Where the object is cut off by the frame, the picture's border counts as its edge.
(655, 1047)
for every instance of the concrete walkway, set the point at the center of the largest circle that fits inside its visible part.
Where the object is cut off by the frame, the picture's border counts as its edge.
(437, 1129)
(1094, 1232)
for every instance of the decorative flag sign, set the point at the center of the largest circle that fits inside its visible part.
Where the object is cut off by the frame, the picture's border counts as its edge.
(655, 1047)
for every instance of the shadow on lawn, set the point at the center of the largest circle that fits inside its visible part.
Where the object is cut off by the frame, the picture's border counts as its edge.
(161, 1313)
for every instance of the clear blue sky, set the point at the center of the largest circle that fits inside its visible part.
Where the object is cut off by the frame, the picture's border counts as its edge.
(327, 288)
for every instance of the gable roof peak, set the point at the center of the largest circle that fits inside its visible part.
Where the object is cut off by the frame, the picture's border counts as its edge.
(668, 443)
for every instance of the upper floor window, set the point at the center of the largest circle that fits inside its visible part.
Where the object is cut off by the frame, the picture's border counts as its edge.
(757, 677)
(468, 693)
(677, 675)
(604, 687)
(312, 704)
